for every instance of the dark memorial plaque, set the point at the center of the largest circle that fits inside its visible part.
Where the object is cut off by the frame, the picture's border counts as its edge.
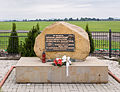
(59, 42)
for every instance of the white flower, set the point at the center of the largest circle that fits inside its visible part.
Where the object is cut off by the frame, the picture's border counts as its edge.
(64, 58)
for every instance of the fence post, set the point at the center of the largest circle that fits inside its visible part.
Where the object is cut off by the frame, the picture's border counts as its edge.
(109, 43)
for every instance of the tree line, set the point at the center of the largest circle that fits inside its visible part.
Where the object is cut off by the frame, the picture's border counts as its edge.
(71, 19)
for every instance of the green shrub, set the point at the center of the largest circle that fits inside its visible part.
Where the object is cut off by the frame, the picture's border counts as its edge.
(27, 49)
(90, 39)
(119, 61)
(13, 45)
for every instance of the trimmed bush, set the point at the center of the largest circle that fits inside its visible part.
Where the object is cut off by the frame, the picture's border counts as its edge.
(13, 45)
(91, 39)
(27, 49)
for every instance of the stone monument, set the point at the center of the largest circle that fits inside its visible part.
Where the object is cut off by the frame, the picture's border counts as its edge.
(62, 38)
(57, 40)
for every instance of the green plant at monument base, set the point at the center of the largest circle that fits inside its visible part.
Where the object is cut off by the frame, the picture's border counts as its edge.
(0, 90)
(119, 61)
(91, 40)
(27, 49)
(13, 46)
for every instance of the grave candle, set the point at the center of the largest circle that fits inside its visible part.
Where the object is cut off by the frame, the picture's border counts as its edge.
(43, 57)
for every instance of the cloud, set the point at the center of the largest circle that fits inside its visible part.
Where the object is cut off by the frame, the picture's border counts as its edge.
(19, 9)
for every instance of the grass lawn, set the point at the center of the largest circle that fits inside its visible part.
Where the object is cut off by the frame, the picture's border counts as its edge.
(23, 25)
(99, 25)
(104, 44)
(93, 25)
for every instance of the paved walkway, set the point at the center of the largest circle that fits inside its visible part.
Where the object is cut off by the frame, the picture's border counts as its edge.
(11, 86)
(113, 66)
(5, 65)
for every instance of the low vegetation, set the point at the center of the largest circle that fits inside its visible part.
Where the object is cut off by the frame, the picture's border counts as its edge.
(27, 48)
(13, 45)
(92, 48)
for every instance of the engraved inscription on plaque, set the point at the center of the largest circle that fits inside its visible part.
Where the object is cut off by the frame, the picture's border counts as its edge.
(59, 42)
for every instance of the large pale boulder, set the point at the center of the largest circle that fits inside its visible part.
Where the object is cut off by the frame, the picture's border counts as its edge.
(82, 45)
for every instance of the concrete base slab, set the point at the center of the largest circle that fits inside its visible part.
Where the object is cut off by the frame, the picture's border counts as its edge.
(31, 69)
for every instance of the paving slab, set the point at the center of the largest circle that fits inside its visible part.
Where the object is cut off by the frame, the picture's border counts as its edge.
(111, 86)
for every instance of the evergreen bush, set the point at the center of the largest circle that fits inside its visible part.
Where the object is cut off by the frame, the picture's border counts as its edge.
(90, 39)
(27, 49)
(13, 45)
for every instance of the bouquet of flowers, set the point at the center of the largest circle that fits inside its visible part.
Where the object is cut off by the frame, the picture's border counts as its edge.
(58, 62)
(63, 61)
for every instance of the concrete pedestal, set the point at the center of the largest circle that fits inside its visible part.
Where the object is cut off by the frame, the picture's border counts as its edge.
(31, 69)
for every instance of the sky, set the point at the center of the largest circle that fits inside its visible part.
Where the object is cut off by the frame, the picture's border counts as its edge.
(33, 9)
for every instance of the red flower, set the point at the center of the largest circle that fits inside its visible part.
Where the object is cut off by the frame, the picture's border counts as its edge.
(60, 61)
(55, 61)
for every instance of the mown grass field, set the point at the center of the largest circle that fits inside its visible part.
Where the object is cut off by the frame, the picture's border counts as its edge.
(104, 44)
(93, 25)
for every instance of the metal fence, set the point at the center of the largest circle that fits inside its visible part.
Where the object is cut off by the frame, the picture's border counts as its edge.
(106, 43)
(4, 41)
